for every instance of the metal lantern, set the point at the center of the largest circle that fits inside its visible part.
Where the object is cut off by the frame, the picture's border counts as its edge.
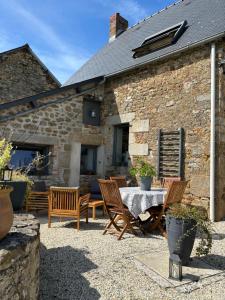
(6, 174)
(175, 267)
(93, 114)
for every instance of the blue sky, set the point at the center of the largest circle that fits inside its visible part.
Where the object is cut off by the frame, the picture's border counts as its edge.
(64, 34)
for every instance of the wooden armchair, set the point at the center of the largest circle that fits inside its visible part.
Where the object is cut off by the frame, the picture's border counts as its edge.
(174, 195)
(115, 209)
(65, 202)
(38, 197)
(120, 180)
(37, 201)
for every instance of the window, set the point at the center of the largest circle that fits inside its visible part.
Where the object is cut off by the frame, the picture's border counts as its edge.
(88, 160)
(160, 40)
(23, 155)
(120, 147)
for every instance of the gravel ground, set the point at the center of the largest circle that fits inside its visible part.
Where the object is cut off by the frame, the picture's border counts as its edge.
(88, 265)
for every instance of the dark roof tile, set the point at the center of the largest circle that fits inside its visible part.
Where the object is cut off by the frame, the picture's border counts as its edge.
(206, 19)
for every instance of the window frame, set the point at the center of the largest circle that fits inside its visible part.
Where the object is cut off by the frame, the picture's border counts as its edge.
(94, 158)
(43, 149)
(115, 137)
(172, 33)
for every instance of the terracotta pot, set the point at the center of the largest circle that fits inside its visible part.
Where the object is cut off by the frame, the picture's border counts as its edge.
(6, 211)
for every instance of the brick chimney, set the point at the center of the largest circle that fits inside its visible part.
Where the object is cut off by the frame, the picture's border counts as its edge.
(117, 25)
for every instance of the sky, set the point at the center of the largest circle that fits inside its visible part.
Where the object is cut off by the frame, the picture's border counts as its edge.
(66, 33)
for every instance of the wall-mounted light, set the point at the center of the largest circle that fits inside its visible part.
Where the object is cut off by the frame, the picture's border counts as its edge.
(6, 174)
(93, 113)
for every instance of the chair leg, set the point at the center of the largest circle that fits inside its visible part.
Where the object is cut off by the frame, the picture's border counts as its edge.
(103, 210)
(110, 224)
(49, 221)
(78, 223)
(87, 216)
(123, 231)
(94, 212)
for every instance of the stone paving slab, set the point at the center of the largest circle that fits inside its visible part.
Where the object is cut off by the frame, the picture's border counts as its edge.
(156, 265)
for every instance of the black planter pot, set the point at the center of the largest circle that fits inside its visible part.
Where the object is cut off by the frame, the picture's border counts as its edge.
(181, 236)
(18, 194)
(145, 183)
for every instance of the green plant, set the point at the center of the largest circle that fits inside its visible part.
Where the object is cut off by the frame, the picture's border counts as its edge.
(142, 169)
(5, 153)
(19, 176)
(202, 223)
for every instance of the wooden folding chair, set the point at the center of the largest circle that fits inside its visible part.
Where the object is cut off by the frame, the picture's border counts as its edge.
(120, 180)
(65, 202)
(115, 209)
(167, 181)
(174, 195)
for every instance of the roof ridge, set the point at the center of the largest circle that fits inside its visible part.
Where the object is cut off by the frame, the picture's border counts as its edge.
(15, 49)
(156, 13)
(28, 48)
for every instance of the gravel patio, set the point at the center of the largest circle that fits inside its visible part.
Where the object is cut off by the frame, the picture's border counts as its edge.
(88, 265)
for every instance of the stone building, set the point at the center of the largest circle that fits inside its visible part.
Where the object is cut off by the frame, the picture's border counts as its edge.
(160, 78)
(22, 74)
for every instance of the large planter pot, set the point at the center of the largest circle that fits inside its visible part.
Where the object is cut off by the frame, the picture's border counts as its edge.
(6, 211)
(145, 183)
(181, 236)
(18, 194)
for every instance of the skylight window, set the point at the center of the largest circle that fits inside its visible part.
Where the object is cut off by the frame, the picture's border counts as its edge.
(160, 40)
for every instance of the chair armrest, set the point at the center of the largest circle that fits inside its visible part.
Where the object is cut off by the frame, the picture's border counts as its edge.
(84, 200)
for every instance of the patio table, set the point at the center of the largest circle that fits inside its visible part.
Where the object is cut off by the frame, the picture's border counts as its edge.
(139, 201)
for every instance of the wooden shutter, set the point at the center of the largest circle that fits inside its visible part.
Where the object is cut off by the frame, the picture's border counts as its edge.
(171, 153)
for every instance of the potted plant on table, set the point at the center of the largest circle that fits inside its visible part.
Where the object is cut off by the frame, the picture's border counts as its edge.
(6, 211)
(145, 171)
(182, 223)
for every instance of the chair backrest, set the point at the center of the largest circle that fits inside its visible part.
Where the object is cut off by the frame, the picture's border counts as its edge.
(94, 187)
(111, 194)
(175, 193)
(63, 198)
(39, 186)
(167, 181)
(120, 180)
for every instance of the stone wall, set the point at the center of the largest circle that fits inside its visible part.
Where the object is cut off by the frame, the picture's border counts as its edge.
(167, 95)
(21, 75)
(57, 123)
(19, 260)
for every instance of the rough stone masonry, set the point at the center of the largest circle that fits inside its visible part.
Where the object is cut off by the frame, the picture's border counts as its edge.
(19, 260)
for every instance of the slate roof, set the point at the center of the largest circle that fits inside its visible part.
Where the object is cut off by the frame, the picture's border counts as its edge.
(206, 21)
(28, 48)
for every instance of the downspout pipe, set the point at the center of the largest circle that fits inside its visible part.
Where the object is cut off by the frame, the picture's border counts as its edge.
(213, 131)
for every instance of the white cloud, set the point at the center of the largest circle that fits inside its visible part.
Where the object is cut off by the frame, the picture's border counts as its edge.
(5, 43)
(62, 59)
(131, 9)
(61, 64)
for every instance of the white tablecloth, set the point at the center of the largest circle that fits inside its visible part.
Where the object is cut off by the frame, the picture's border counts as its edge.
(139, 201)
